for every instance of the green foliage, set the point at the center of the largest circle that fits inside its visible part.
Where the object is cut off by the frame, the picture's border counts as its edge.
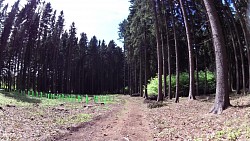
(233, 134)
(248, 132)
(220, 134)
(184, 83)
(13, 98)
(153, 86)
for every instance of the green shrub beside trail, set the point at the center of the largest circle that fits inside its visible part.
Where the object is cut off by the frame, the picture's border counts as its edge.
(184, 83)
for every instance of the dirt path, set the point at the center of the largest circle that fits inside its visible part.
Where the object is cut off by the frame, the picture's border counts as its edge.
(127, 123)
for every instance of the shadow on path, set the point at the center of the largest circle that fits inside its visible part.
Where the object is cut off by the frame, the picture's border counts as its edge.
(23, 98)
(242, 106)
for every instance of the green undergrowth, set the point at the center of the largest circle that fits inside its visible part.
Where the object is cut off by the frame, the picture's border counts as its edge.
(80, 118)
(152, 86)
(12, 98)
(17, 99)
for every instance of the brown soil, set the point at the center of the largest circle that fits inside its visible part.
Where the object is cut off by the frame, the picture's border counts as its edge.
(126, 123)
(191, 120)
(129, 119)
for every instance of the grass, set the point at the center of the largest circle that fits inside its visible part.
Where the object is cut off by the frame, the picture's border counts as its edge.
(12, 98)
(15, 98)
(80, 118)
(4, 100)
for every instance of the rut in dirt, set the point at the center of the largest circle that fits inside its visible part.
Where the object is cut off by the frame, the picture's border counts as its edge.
(127, 123)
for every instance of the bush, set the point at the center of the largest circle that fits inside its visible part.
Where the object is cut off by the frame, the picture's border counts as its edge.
(184, 83)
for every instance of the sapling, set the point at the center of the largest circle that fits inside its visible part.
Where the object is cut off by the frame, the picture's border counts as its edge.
(63, 98)
(105, 99)
(96, 99)
(68, 96)
(87, 99)
(79, 98)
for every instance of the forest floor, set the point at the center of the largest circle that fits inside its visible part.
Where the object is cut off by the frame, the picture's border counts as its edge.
(125, 119)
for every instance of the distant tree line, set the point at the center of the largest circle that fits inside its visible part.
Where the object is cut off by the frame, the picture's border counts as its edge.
(37, 53)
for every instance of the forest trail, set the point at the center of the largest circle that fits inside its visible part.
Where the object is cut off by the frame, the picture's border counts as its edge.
(129, 123)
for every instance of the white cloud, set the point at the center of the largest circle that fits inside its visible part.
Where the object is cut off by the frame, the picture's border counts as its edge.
(94, 17)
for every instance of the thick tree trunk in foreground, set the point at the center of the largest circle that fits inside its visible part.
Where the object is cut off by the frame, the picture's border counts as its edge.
(222, 94)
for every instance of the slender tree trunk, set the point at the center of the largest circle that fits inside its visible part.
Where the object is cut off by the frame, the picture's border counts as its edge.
(141, 89)
(169, 60)
(159, 52)
(236, 65)
(222, 96)
(161, 30)
(146, 63)
(130, 79)
(164, 66)
(246, 37)
(176, 58)
(135, 77)
(240, 49)
(197, 72)
(190, 52)
(205, 64)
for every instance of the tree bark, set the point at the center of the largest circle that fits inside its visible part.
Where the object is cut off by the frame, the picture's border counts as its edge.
(161, 30)
(159, 52)
(176, 58)
(222, 95)
(241, 52)
(146, 61)
(169, 61)
(190, 52)
(246, 37)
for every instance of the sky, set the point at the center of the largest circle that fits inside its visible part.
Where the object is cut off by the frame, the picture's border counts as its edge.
(94, 17)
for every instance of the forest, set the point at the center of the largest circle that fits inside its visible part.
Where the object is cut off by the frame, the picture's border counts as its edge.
(183, 58)
(38, 53)
(169, 38)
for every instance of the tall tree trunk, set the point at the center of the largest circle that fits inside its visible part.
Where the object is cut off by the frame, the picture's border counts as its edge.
(159, 51)
(135, 77)
(169, 58)
(222, 95)
(161, 29)
(246, 37)
(197, 71)
(236, 65)
(240, 49)
(141, 89)
(190, 52)
(146, 61)
(205, 65)
(130, 79)
(164, 65)
(176, 57)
